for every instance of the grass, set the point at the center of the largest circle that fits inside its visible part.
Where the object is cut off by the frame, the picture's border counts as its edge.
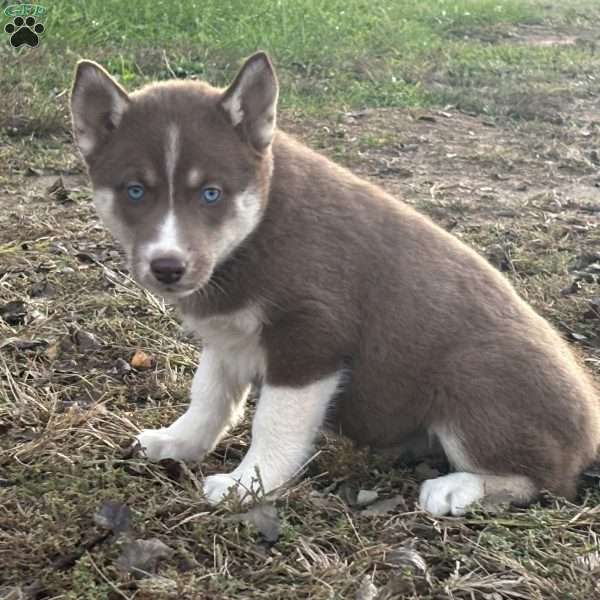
(483, 114)
(329, 54)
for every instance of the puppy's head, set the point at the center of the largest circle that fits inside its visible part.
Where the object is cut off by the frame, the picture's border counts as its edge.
(180, 170)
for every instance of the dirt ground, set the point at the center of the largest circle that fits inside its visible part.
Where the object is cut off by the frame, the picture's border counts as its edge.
(525, 193)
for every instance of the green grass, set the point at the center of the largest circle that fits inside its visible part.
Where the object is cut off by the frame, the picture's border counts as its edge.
(330, 55)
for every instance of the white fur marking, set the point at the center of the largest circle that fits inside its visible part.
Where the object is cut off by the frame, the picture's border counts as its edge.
(248, 211)
(233, 105)
(86, 143)
(453, 448)
(171, 157)
(283, 431)
(166, 242)
(194, 178)
(236, 335)
(451, 494)
(232, 356)
(104, 199)
(217, 399)
(86, 138)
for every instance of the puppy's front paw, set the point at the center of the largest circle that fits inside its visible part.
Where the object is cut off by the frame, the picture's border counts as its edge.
(245, 485)
(216, 487)
(451, 494)
(158, 444)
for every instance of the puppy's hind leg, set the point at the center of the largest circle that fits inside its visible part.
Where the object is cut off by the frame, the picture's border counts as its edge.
(455, 493)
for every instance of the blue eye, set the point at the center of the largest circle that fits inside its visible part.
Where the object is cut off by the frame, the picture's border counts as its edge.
(210, 195)
(135, 191)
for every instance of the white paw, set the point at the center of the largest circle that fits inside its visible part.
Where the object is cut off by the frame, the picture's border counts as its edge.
(245, 485)
(158, 444)
(451, 494)
(216, 487)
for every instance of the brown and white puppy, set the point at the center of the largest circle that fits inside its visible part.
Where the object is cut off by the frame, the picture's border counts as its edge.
(336, 295)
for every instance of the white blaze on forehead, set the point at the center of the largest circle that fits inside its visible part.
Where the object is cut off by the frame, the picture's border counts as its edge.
(171, 157)
(167, 240)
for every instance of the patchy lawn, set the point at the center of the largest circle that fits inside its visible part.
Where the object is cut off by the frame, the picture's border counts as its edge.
(492, 127)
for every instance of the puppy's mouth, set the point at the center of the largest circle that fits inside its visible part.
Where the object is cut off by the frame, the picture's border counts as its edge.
(171, 292)
(174, 291)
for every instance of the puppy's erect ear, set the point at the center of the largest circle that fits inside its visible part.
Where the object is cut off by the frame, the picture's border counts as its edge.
(251, 101)
(97, 106)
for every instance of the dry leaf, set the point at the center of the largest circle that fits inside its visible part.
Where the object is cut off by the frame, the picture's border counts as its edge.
(265, 518)
(53, 351)
(141, 360)
(406, 556)
(86, 341)
(114, 516)
(383, 506)
(141, 557)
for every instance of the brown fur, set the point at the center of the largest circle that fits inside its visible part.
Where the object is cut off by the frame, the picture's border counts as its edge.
(431, 335)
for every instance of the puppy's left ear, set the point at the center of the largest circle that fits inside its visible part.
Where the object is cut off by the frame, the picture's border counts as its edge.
(97, 106)
(250, 102)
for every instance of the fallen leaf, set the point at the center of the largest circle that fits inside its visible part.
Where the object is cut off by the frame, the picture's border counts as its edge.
(265, 518)
(114, 516)
(594, 310)
(14, 312)
(141, 557)
(41, 289)
(348, 492)
(33, 172)
(53, 351)
(383, 506)
(571, 289)
(58, 191)
(406, 556)
(86, 341)
(21, 345)
(141, 360)
(121, 367)
(172, 468)
(367, 590)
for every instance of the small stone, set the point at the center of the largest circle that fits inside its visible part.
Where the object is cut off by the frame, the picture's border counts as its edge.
(366, 497)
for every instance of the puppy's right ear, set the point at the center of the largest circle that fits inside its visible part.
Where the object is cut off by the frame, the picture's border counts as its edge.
(97, 106)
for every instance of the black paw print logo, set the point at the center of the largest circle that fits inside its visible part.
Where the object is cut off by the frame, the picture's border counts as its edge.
(24, 31)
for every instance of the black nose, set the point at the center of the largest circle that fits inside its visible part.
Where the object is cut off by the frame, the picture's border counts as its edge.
(167, 269)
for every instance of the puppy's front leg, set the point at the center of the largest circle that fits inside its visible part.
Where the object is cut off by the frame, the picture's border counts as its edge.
(218, 393)
(284, 427)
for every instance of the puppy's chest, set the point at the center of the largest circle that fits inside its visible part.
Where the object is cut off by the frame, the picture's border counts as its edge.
(237, 335)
